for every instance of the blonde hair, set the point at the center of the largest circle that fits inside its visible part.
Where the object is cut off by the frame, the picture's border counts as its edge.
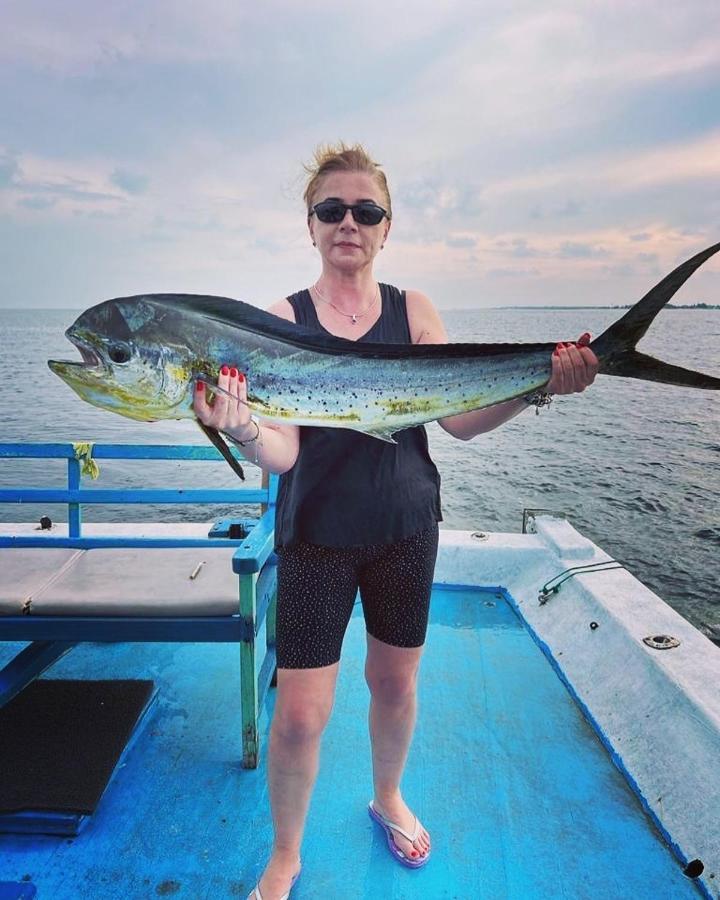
(343, 158)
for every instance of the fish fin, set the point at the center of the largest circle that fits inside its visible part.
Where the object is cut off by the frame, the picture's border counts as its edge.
(213, 435)
(216, 389)
(615, 347)
(380, 435)
(245, 317)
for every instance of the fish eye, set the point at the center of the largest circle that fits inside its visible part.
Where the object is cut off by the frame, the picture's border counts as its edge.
(119, 353)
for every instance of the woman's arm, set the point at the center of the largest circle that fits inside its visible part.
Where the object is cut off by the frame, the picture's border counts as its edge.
(271, 446)
(574, 367)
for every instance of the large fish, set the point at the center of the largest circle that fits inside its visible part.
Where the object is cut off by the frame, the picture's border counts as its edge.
(142, 355)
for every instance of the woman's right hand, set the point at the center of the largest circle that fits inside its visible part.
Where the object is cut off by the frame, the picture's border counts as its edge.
(228, 411)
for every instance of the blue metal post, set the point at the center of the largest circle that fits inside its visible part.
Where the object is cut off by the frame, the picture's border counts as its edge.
(249, 700)
(74, 513)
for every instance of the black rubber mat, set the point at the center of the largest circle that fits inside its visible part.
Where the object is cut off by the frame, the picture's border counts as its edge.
(60, 741)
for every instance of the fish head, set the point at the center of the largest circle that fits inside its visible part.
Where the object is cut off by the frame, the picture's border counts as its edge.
(132, 362)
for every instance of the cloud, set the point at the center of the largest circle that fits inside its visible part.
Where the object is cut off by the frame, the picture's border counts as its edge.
(567, 210)
(513, 273)
(130, 182)
(570, 136)
(694, 159)
(461, 241)
(437, 195)
(62, 187)
(576, 250)
(37, 202)
(9, 169)
(81, 36)
(521, 248)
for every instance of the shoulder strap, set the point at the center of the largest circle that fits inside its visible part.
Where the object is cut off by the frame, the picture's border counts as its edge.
(304, 308)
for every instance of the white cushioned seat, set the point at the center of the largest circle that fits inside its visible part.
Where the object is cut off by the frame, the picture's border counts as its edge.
(118, 582)
(25, 572)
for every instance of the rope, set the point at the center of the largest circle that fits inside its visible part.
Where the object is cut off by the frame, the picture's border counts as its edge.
(548, 589)
(83, 453)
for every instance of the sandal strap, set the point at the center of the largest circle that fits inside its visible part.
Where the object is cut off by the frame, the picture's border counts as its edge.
(258, 895)
(408, 837)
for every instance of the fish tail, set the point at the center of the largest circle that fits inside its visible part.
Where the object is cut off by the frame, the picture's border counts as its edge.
(615, 348)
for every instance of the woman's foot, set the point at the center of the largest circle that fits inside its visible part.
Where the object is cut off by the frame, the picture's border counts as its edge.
(394, 809)
(277, 879)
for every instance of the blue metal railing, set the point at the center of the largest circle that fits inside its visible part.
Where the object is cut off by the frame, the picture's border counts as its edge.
(253, 625)
(74, 496)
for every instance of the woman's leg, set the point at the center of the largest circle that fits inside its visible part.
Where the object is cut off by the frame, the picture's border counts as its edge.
(316, 593)
(391, 674)
(396, 589)
(302, 709)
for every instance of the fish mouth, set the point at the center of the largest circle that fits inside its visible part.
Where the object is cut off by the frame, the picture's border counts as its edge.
(90, 363)
(90, 368)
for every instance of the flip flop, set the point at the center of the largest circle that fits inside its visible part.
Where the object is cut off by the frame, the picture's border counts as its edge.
(388, 827)
(256, 895)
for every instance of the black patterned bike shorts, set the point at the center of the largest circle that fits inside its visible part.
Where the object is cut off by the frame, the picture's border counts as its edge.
(317, 587)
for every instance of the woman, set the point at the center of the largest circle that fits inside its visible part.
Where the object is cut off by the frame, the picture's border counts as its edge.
(353, 511)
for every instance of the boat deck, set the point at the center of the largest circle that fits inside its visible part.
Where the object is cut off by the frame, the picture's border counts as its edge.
(520, 797)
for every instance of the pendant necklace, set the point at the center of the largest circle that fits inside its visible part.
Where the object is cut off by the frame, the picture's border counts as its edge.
(352, 316)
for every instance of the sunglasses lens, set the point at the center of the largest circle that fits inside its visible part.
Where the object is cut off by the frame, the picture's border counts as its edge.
(367, 215)
(330, 212)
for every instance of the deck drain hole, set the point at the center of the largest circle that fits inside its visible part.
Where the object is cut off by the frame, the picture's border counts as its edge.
(661, 641)
(694, 868)
(480, 535)
(593, 626)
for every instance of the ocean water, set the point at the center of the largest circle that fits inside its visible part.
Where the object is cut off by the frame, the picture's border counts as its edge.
(633, 465)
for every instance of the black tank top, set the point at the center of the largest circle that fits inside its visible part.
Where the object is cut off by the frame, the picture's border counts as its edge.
(346, 488)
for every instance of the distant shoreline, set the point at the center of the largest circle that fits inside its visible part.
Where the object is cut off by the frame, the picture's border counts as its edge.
(619, 306)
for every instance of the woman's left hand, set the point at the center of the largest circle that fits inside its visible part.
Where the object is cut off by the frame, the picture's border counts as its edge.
(574, 367)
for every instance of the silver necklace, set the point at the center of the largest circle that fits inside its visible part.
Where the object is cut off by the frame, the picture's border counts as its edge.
(353, 316)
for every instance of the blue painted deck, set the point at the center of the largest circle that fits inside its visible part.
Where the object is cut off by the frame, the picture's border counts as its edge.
(520, 797)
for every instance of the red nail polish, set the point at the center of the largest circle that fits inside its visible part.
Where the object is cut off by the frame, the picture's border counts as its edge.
(555, 353)
(585, 339)
(414, 853)
(241, 377)
(233, 372)
(199, 385)
(224, 370)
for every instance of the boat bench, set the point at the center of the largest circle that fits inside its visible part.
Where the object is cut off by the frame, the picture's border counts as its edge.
(58, 591)
(57, 597)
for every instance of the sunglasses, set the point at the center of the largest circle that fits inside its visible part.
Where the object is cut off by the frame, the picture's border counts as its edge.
(333, 211)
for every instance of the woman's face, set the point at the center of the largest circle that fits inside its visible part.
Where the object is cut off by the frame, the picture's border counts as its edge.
(347, 245)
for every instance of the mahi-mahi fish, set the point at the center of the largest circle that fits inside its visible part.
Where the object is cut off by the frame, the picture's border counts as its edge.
(142, 356)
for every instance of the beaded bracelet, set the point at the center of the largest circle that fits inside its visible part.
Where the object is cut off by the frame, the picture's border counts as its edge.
(255, 422)
(234, 440)
(538, 399)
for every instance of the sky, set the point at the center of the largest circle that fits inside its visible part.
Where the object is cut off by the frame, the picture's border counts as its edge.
(537, 153)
